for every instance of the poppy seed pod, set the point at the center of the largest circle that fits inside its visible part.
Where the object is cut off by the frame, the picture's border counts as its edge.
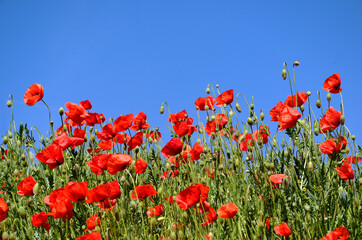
(284, 74)
(9, 103)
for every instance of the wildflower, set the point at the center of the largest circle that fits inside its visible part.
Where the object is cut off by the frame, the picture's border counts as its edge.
(106, 144)
(52, 155)
(248, 142)
(86, 104)
(118, 162)
(154, 135)
(95, 235)
(188, 197)
(155, 211)
(108, 132)
(184, 127)
(4, 208)
(275, 111)
(139, 122)
(92, 222)
(26, 186)
(288, 118)
(228, 210)
(99, 163)
(169, 174)
(140, 166)
(210, 217)
(122, 123)
(135, 141)
(178, 117)
(40, 220)
(220, 121)
(94, 118)
(278, 179)
(340, 233)
(282, 229)
(345, 171)
(76, 191)
(332, 83)
(201, 103)
(333, 145)
(63, 141)
(330, 121)
(226, 97)
(296, 100)
(173, 147)
(262, 133)
(76, 113)
(142, 192)
(59, 204)
(353, 160)
(33, 94)
(102, 192)
(196, 151)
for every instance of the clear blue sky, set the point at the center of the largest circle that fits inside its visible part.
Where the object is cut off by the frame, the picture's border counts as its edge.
(130, 56)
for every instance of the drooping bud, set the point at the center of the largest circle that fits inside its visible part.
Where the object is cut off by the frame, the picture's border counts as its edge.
(162, 109)
(238, 108)
(231, 113)
(353, 137)
(284, 74)
(301, 108)
(208, 91)
(9, 103)
(309, 93)
(296, 63)
(318, 103)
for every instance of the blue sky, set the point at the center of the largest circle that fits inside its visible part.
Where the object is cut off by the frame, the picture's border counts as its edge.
(130, 56)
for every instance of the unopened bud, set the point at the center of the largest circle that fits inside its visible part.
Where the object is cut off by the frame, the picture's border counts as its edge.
(250, 121)
(252, 106)
(9, 103)
(296, 63)
(36, 189)
(231, 113)
(262, 116)
(208, 91)
(213, 118)
(342, 119)
(309, 93)
(61, 111)
(353, 137)
(162, 109)
(310, 165)
(284, 74)
(318, 103)
(329, 96)
(217, 85)
(301, 108)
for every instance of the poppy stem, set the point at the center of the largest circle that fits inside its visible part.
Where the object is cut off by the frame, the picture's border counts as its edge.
(50, 118)
(290, 82)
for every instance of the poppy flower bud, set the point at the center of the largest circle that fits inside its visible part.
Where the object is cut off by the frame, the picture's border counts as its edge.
(211, 236)
(238, 108)
(318, 103)
(329, 96)
(162, 109)
(153, 222)
(252, 106)
(133, 204)
(309, 93)
(12, 236)
(5, 236)
(275, 143)
(9, 103)
(22, 212)
(296, 63)
(307, 207)
(77, 167)
(212, 117)
(284, 74)
(342, 119)
(208, 91)
(36, 189)
(340, 190)
(61, 111)
(231, 113)
(262, 116)
(250, 121)
(185, 215)
(217, 85)
(301, 108)
(310, 165)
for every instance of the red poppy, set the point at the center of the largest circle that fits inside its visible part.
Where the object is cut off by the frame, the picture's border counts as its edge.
(282, 229)
(340, 233)
(220, 121)
(196, 151)
(52, 155)
(267, 223)
(40, 220)
(76, 113)
(155, 211)
(140, 166)
(95, 118)
(4, 154)
(278, 178)
(108, 132)
(59, 203)
(4, 208)
(76, 191)
(103, 192)
(228, 210)
(33, 94)
(142, 192)
(26, 186)
(139, 122)
(60, 130)
(345, 171)
(330, 120)
(296, 100)
(210, 217)
(178, 117)
(106, 144)
(99, 163)
(226, 97)
(333, 84)
(95, 235)
(173, 147)
(248, 142)
(275, 111)
(184, 127)
(86, 104)
(135, 141)
(63, 141)
(78, 133)
(332, 145)
(353, 160)
(288, 118)
(262, 133)
(107, 204)
(169, 174)
(201, 103)
(188, 197)
(210, 174)
(92, 222)
(154, 135)
(118, 162)
(122, 138)
(122, 123)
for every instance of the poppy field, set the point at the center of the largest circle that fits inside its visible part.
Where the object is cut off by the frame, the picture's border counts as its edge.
(226, 175)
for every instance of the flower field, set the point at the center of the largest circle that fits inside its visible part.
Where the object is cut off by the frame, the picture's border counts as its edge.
(225, 175)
